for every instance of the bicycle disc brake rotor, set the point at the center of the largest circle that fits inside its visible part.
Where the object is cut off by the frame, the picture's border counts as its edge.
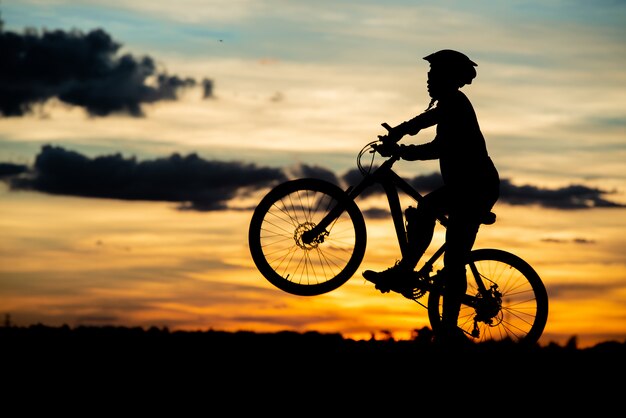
(305, 227)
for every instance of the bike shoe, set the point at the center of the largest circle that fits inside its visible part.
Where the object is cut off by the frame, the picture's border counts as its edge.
(387, 280)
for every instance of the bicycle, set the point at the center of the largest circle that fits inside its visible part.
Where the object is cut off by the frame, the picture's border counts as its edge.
(308, 236)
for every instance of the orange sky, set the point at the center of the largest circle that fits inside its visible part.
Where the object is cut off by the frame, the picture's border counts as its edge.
(82, 261)
(308, 83)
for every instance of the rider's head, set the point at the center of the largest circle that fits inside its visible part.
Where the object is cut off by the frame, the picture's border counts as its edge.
(449, 71)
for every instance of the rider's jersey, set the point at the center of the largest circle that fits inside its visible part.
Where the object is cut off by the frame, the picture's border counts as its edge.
(459, 145)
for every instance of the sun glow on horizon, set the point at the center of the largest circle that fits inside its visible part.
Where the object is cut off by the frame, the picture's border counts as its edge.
(158, 266)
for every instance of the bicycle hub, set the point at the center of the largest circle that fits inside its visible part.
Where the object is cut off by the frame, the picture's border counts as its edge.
(305, 239)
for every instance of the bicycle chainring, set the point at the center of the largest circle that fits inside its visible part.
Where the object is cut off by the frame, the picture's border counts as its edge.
(420, 284)
(414, 294)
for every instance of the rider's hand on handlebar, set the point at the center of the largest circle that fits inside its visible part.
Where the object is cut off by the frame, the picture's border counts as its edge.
(386, 148)
(388, 145)
(393, 134)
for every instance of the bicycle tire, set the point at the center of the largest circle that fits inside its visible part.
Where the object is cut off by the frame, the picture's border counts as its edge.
(280, 255)
(524, 304)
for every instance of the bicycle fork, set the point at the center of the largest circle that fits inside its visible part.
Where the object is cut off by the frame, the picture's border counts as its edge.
(317, 233)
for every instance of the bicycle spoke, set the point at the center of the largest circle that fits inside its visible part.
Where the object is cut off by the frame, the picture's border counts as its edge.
(290, 252)
(286, 211)
(287, 232)
(327, 258)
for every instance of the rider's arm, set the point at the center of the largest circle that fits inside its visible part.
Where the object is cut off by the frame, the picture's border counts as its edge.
(421, 121)
(428, 151)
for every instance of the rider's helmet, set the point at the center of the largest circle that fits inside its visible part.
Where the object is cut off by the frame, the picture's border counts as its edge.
(454, 64)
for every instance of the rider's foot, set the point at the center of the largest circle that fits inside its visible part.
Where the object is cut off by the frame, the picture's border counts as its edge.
(394, 278)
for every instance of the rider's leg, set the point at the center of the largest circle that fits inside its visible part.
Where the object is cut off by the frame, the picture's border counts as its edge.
(421, 225)
(419, 234)
(466, 211)
(460, 237)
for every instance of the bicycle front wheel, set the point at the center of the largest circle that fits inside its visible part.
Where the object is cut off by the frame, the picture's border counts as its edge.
(300, 266)
(513, 307)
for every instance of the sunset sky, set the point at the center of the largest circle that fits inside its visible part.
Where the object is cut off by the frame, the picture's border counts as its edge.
(205, 104)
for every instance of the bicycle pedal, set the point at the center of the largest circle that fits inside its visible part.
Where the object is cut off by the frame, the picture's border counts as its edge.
(382, 289)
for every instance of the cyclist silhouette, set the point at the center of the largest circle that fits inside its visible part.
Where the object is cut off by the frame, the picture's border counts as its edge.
(471, 182)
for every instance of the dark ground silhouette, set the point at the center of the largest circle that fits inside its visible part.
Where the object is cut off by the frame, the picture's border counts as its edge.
(306, 370)
(279, 350)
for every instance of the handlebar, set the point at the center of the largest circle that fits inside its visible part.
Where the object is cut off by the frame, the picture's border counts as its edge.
(390, 138)
(388, 143)
(385, 146)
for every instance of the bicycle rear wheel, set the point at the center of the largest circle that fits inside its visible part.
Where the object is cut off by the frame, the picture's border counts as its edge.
(514, 308)
(289, 262)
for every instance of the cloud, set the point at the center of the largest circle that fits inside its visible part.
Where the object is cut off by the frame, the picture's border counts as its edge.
(207, 88)
(427, 182)
(422, 183)
(376, 213)
(354, 177)
(196, 183)
(80, 69)
(584, 291)
(313, 171)
(200, 184)
(564, 241)
(575, 196)
(10, 169)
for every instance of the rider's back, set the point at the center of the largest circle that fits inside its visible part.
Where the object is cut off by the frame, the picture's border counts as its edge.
(463, 156)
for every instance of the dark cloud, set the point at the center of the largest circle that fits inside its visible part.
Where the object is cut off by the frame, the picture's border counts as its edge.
(9, 169)
(570, 197)
(200, 184)
(207, 88)
(564, 241)
(584, 291)
(196, 183)
(313, 171)
(354, 177)
(423, 183)
(575, 196)
(81, 69)
(427, 182)
(376, 213)
(97, 319)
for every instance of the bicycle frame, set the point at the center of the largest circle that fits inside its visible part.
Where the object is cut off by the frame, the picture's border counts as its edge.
(391, 183)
